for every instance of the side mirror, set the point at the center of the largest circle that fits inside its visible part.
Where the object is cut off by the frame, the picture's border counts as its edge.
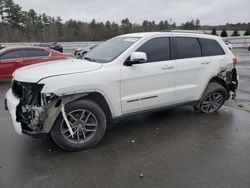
(136, 58)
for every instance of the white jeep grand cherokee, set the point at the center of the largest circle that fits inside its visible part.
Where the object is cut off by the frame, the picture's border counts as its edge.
(74, 100)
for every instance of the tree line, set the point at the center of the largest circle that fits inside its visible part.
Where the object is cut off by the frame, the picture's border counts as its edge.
(17, 25)
(234, 34)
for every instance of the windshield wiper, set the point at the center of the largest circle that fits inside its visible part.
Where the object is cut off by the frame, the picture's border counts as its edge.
(89, 59)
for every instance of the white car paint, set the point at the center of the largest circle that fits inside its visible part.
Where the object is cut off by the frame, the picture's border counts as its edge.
(12, 103)
(142, 81)
(172, 82)
(34, 73)
(190, 74)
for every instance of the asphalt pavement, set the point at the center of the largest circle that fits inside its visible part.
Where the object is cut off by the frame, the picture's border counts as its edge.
(172, 148)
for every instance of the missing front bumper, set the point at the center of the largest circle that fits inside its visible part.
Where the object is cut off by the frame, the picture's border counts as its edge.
(11, 103)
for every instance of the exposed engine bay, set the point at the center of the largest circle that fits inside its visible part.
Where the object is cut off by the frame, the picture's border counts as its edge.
(31, 111)
(36, 111)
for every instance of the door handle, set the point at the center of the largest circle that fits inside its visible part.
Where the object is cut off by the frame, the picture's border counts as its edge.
(167, 67)
(205, 62)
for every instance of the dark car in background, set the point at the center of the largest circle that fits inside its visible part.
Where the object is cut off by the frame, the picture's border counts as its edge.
(1, 47)
(80, 52)
(53, 45)
(12, 58)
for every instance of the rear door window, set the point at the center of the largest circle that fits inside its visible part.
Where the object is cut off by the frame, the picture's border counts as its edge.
(157, 49)
(211, 47)
(35, 53)
(187, 47)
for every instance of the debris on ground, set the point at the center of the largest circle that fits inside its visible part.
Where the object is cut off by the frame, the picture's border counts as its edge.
(211, 168)
(133, 141)
(156, 130)
(141, 175)
(49, 150)
(240, 105)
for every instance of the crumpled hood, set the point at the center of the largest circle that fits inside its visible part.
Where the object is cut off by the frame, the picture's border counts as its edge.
(36, 72)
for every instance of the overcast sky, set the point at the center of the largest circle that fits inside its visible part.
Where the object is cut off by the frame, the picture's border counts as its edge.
(210, 12)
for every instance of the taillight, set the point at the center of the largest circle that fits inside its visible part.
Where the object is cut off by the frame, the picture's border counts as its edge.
(234, 61)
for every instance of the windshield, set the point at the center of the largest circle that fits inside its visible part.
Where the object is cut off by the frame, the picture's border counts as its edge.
(111, 49)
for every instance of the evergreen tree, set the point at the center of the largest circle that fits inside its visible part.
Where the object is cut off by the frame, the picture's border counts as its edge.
(126, 26)
(247, 32)
(166, 24)
(235, 33)
(197, 24)
(161, 25)
(189, 25)
(14, 13)
(213, 32)
(145, 25)
(1, 10)
(224, 33)
(59, 26)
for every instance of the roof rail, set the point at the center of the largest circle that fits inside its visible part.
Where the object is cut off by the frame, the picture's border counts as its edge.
(187, 31)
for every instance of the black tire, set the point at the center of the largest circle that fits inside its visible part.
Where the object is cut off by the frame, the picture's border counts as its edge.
(84, 105)
(213, 89)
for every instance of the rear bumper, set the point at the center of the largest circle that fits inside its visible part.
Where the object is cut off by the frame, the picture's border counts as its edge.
(232, 81)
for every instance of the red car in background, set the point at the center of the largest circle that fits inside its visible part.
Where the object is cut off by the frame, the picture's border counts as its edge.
(13, 58)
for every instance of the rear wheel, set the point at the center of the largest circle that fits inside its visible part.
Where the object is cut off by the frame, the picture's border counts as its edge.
(212, 99)
(87, 122)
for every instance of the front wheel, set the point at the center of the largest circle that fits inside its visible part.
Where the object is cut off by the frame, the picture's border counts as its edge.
(212, 99)
(87, 122)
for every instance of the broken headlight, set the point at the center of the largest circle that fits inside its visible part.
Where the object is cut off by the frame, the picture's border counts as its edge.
(29, 93)
(30, 111)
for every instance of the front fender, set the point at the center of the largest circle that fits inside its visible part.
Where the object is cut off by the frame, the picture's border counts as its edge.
(54, 109)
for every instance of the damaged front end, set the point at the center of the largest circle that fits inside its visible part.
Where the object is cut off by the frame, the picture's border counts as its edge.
(31, 111)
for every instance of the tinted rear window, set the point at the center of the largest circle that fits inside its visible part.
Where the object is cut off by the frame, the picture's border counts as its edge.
(157, 49)
(188, 47)
(211, 47)
(35, 53)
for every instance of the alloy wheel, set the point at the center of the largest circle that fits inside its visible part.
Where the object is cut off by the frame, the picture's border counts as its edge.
(83, 124)
(212, 102)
